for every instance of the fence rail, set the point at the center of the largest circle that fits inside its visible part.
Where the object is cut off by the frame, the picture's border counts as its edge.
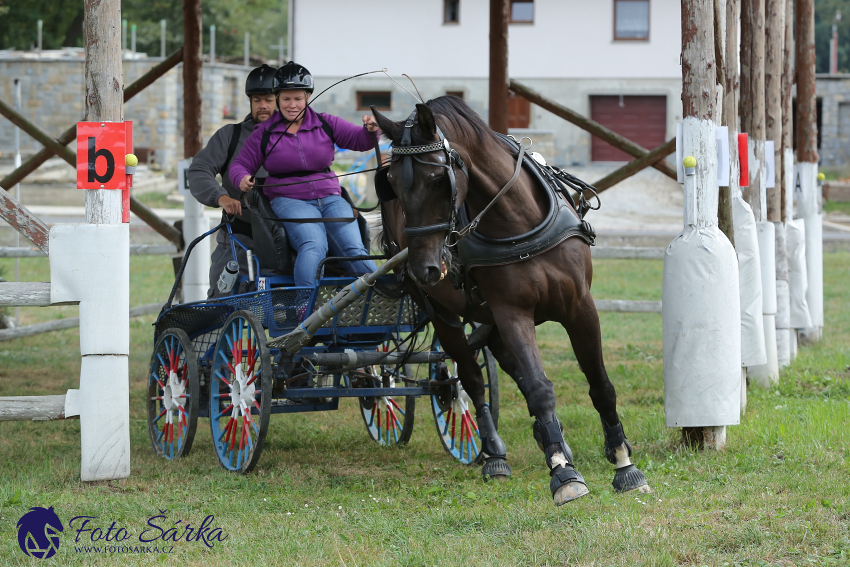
(135, 250)
(69, 323)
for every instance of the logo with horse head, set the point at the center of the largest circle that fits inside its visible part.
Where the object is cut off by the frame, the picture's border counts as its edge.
(38, 532)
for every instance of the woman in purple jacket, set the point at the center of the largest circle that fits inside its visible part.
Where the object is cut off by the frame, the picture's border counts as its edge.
(300, 148)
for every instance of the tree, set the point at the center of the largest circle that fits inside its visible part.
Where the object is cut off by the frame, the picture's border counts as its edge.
(824, 19)
(266, 20)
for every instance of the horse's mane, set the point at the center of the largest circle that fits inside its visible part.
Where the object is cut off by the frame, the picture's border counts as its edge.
(452, 113)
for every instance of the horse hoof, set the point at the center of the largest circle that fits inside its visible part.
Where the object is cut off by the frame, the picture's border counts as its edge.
(495, 468)
(569, 492)
(630, 478)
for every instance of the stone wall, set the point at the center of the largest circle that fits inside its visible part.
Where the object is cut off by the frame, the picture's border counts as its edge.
(53, 87)
(834, 93)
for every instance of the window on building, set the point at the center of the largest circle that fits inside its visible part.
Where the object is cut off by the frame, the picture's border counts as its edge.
(382, 100)
(458, 94)
(631, 19)
(522, 11)
(451, 11)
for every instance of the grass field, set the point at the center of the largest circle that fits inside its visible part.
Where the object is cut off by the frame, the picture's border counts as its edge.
(323, 494)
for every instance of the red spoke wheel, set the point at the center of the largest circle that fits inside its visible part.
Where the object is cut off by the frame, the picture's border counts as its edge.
(172, 395)
(453, 411)
(388, 419)
(240, 392)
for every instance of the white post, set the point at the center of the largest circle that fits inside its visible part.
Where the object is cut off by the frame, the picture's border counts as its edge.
(195, 223)
(133, 39)
(162, 25)
(212, 43)
(280, 50)
(124, 36)
(290, 30)
(40, 26)
(247, 48)
(90, 263)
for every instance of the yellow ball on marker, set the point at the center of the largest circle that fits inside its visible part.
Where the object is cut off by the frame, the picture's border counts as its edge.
(689, 161)
(821, 176)
(131, 160)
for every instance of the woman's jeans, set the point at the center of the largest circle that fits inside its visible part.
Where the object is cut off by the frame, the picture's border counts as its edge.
(313, 240)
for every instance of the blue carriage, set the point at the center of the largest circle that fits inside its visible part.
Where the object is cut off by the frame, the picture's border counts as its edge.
(212, 360)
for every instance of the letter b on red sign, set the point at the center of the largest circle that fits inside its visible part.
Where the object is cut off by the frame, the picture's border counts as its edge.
(101, 147)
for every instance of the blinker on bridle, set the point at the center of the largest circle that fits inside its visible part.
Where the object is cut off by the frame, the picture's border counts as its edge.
(407, 154)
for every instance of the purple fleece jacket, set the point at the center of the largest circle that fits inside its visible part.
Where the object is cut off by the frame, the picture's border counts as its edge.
(309, 149)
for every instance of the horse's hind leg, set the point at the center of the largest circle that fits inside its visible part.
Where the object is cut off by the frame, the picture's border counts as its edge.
(454, 343)
(514, 346)
(586, 339)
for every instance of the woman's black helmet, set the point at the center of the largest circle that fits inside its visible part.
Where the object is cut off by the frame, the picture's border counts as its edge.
(292, 76)
(260, 81)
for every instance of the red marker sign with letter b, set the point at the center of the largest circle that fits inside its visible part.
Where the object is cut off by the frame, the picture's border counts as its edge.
(101, 147)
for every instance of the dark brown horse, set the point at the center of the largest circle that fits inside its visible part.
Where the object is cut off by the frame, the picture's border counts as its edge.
(551, 286)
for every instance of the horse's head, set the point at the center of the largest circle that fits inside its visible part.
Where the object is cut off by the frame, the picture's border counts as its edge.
(430, 180)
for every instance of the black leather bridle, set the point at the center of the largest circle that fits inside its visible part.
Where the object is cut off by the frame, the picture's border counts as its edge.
(407, 154)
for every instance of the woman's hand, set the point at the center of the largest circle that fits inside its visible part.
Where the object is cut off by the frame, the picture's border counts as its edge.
(369, 123)
(246, 184)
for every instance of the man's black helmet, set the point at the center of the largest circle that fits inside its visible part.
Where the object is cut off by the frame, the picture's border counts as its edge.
(293, 76)
(260, 81)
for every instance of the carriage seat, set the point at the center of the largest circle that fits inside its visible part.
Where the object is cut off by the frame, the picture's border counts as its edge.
(271, 245)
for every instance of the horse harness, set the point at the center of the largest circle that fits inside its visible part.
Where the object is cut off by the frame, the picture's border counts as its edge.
(470, 249)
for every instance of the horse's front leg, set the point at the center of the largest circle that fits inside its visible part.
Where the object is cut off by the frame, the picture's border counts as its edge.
(514, 345)
(585, 336)
(454, 343)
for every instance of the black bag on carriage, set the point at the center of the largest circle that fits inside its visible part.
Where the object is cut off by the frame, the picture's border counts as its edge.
(271, 245)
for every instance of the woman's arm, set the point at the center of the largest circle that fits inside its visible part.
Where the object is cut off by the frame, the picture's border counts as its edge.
(350, 136)
(248, 160)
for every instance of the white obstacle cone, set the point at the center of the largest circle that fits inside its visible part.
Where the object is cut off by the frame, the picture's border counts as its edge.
(90, 264)
(768, 373)
(808, 206)
(701, 304)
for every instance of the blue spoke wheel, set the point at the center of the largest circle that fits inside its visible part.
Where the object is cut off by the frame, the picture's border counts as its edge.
(172, 395)
(453, 411)
(388, 419)
(240, 392)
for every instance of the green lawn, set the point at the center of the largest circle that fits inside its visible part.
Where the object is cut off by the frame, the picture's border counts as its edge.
(323, 494)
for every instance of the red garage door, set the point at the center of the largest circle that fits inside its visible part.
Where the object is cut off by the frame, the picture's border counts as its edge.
(641, 119)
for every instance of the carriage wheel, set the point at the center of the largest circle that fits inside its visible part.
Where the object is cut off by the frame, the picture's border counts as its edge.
(385, 420)
(453, 409)
(240, 392)
(172, 396)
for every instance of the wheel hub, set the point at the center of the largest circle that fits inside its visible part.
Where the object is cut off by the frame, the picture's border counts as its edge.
(174, 393)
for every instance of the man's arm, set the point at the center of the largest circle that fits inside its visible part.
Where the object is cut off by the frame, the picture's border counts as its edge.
(206, 165)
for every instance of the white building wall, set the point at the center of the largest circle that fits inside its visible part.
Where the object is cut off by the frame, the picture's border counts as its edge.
(568, 39)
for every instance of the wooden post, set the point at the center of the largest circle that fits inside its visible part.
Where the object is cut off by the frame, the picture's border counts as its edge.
(787, 197)
(752, 99)
(723, 54)
(774, 44)
(701, 422)
(809, 199)
(731, 95)
(773, 50)
(104, 98)
(77, 273)
(192, 116)
(498, 104)
(753, 123)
